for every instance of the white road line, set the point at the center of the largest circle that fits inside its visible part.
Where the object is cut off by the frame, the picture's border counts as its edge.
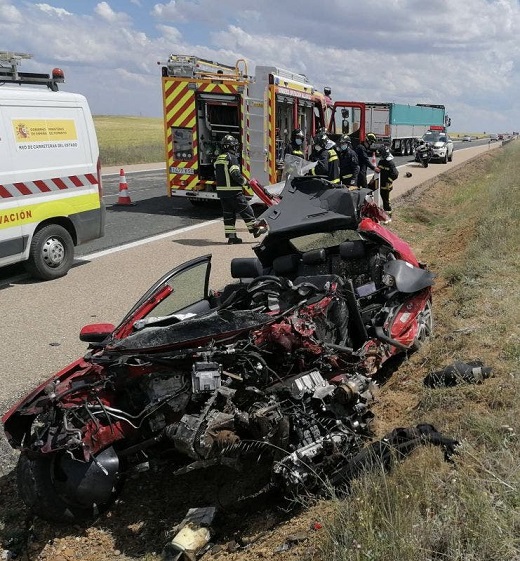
(130, 245)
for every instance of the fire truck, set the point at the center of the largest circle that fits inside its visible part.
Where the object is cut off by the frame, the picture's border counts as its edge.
(205, 100)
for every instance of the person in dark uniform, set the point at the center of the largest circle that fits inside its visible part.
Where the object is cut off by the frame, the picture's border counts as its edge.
(295, 147)
(327, 158)
(230, 182)
(348, 162)
(363, 153)
(389, 173)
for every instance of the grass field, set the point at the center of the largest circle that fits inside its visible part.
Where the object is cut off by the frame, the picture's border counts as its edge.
(129, 140)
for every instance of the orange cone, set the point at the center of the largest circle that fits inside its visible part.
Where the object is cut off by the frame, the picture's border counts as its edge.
(124, 197)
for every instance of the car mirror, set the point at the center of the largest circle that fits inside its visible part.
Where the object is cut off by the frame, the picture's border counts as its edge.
(96, 332)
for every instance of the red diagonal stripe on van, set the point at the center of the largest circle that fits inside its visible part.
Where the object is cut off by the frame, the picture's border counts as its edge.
(59, 183)
(24, 190)
(46, 185)
(76, 180)
(4, 193)
(42, 186)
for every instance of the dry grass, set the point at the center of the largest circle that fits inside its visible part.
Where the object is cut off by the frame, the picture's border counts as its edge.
(129, 140)
(468, 230)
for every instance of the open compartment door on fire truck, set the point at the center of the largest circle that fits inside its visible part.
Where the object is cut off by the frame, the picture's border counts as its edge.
(202, 103)
(348, 117)
(279, 102)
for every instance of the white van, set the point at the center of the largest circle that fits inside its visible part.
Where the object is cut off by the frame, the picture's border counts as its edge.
(50, 173)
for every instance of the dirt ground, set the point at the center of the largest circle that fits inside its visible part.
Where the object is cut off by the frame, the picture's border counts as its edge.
(142, 520)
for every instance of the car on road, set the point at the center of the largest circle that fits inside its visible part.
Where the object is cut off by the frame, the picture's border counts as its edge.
(466, 138)
(442, 145)
(493, 137)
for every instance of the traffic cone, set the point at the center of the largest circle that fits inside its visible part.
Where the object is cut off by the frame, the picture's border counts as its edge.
(124, 197)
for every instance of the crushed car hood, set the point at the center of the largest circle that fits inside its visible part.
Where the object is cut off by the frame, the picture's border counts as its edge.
(311, 205)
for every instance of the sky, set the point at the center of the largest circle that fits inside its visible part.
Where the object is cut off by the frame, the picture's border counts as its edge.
(464, 54)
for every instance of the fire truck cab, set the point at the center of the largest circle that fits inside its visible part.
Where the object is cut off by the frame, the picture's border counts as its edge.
(205, 100)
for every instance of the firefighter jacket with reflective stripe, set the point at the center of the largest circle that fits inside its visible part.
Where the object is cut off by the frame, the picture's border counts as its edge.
(228, 175)
(328, 164)
(348, 166)
(294, 149)
(364, 158)
(388, 172)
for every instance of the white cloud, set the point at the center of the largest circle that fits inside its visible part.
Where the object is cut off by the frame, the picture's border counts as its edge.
(59, 12)
(463, 54)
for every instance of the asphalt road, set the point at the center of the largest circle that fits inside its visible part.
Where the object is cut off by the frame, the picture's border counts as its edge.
(154, 213)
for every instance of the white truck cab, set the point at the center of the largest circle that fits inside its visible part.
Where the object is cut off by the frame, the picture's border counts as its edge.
(50, 173)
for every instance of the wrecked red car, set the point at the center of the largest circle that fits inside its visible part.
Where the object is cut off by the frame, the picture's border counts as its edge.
(278, 363)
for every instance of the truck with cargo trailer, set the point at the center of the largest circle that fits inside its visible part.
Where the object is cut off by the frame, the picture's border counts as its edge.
(397, 125)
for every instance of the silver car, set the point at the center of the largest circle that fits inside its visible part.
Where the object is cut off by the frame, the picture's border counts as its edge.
(442, 145)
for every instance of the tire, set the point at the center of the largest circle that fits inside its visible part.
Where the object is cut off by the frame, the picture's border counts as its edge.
(60, 489)
(425, 329)
(450, 159)
(51, 254)
(445, 159)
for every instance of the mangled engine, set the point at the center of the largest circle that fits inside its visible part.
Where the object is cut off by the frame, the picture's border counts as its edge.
(301, 423)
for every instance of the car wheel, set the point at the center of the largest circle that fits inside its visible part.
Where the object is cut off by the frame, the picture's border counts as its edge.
(445, 159)
(51, 254)
(60, 489)
(450, 158)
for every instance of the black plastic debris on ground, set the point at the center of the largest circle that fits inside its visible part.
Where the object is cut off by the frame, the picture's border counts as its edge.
(472, 372)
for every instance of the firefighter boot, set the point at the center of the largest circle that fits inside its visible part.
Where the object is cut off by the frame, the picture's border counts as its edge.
(234, 240)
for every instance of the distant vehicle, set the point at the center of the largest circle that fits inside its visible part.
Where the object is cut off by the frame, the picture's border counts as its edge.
(442, 145)
(466, 138)
(500, 137)
(397, 125)
(493, 137)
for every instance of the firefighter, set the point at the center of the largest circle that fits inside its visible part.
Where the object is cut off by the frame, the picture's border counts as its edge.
(348, 162)
(295, 147)
(230, 182)
(327, 158)
(389, 173)
(364, 153)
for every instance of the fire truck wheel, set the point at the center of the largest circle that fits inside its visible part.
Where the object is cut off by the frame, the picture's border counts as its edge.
(51, 254)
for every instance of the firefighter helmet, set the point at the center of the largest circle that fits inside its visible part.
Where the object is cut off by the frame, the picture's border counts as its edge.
(229, 142)
(344, 141)
(371, 138)
(297, 133)
(384, 152)
(320, 141)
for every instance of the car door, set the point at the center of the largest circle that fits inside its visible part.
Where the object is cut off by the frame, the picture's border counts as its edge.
(182, 292)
